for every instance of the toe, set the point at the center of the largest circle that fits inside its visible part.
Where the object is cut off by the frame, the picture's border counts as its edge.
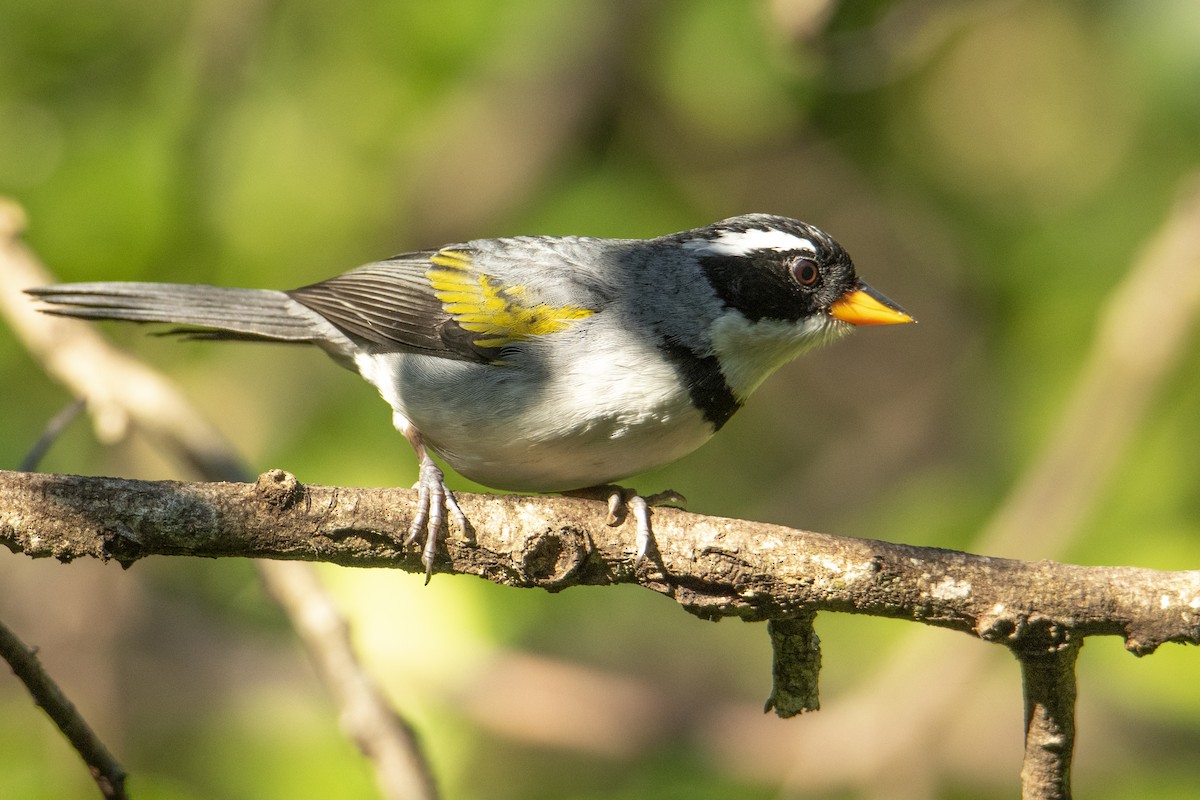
(641, 515)
(420, 521)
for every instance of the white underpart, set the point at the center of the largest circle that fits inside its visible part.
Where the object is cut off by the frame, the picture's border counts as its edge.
(571, 418)
(740, 243)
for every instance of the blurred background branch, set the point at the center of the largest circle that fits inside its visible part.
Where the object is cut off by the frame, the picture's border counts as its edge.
(102, 766)
(122, 395)
(996, 167)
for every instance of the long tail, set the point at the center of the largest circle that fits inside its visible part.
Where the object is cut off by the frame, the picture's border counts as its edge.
(222, 313)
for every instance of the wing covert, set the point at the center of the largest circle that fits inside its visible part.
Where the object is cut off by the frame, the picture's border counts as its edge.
(435, 302)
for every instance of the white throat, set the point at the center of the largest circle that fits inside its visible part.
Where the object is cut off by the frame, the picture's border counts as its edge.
(750, 351)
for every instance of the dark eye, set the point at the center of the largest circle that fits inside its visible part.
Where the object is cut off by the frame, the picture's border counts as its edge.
(805, 271)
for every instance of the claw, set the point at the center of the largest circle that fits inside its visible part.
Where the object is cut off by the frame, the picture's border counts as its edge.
(616, 501)
(434, 500)
(622, 501)
(641, 515)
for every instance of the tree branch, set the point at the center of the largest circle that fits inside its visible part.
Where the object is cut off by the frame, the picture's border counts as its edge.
(1144, 327)
(380, 733)
(104, 768)
(712, 567)
(1048, 680)
(796, 666)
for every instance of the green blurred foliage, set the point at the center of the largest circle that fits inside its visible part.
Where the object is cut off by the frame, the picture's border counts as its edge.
(994, 166)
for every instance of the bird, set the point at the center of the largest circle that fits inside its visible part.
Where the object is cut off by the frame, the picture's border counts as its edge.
(544, 363)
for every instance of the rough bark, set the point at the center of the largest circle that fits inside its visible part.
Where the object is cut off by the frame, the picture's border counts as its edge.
(712, 567)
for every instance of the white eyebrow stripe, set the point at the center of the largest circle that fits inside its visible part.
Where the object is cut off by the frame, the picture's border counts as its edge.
(740, 243)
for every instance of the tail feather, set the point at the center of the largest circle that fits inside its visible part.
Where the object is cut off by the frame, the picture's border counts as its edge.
(229, 313)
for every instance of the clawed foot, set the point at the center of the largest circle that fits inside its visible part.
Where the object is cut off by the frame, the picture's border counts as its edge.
(622, 501)
(433, 502)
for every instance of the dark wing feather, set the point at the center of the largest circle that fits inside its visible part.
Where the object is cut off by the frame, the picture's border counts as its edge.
(389, 304)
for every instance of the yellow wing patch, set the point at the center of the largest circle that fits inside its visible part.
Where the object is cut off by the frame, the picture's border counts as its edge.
(481, 304)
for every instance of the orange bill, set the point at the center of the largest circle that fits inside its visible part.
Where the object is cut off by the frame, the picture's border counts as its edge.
(862, 305)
